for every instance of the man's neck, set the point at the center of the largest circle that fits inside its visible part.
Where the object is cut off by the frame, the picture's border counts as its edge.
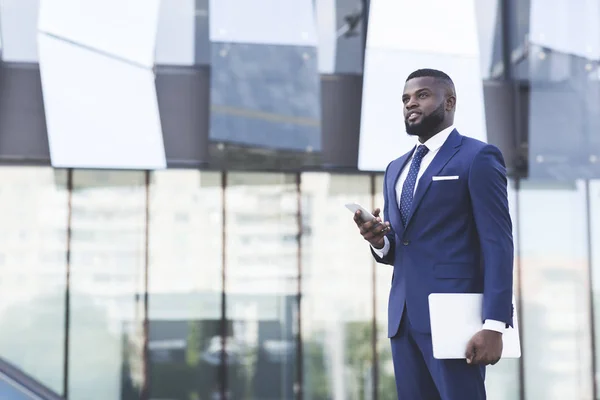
(424, 138)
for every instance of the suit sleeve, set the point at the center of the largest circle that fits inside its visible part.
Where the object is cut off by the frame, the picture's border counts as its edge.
(489, 199)
(388, 258)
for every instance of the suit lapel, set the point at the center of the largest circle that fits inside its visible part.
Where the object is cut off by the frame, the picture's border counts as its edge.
(447, 151)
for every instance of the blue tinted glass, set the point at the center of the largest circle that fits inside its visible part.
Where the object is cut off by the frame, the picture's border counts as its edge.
(564, 116)
(10, 390)
(265, 95)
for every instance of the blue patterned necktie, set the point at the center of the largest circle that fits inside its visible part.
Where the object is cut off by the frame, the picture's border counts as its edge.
(408, 189)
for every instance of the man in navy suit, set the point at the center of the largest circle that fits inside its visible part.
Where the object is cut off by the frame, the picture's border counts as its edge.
(447, 230)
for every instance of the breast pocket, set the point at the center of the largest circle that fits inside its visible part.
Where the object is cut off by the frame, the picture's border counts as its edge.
(447, 191)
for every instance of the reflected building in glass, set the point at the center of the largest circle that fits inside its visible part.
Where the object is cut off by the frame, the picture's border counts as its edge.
(230, 269)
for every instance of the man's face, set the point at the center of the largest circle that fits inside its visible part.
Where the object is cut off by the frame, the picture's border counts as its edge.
(424, 106)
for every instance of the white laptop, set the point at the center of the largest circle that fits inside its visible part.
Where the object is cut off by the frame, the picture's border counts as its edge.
(456, 317)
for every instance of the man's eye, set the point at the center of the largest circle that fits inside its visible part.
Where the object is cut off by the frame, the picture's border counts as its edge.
(422, 95)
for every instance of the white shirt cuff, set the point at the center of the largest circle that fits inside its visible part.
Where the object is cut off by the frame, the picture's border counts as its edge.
(384, 250)
(492, 325)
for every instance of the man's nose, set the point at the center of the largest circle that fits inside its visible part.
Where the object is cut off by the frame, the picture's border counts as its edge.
(411, 103)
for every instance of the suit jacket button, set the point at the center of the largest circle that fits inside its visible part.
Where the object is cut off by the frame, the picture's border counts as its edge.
(405, 242)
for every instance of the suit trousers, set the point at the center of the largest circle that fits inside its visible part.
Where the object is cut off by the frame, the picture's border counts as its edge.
(419, 376)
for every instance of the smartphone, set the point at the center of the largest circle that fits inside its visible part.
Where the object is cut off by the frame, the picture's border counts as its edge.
(365, 215)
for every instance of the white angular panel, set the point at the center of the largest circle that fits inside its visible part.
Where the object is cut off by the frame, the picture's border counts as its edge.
(100, 112)
(121, 28)
(383, 136)
(436, 26)
(566, 26)
(263, 22)
(175, 39)
(18, 26)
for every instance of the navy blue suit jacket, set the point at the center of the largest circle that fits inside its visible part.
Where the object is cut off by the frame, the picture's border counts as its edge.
(458, 236)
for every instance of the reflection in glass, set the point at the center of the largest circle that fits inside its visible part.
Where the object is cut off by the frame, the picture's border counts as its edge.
(265, 95)
(182, 33)
(518, 26)
(341, 35)
(33, 248)
(261, 283)
(594, 197)
(383, 276)
(489, 32)
(559, 146)
(184, 273)
(502, 379)
(555, 299)
(107, 274)
(569, 27)
(337, 291)
(268, 22)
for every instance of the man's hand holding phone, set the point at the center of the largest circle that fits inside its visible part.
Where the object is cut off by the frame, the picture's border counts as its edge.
(371, 227)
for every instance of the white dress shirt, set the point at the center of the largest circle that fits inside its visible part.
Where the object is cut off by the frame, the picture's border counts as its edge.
(433, 144)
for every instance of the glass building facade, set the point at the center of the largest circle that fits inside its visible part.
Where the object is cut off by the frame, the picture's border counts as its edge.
(236, 272)
(256, 285)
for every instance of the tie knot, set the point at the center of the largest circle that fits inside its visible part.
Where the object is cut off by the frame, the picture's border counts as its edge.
(421, 151)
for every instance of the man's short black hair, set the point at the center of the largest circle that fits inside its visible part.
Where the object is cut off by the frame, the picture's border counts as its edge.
(434, 73)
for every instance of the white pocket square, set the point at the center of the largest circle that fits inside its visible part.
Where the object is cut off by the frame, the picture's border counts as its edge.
(444, 178)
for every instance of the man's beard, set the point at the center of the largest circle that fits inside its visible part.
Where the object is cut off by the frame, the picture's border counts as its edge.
(428, 123)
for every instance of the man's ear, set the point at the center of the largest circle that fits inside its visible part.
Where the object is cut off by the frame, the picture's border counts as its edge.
(450, 103)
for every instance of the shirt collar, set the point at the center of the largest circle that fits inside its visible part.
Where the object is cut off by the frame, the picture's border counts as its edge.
(438, 140)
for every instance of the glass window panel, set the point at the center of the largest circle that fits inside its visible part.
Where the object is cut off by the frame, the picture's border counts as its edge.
(175, 34)
(33, 249)
(337, 290)
(18, 25)
(555, 299)
(265, 95)
(107, 274)
(262, 283)
(567, 26)
(502, 380)
(554, 52)
(594, 196)
(489, 32)
(184, 273)
(518, 26)
(571, 84)
(182, 33)
(285, 23)
(341, 36)
(202, 42)
(383, 279)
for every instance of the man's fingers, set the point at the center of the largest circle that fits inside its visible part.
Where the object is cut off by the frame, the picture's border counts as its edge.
(357, 218)
(470, 352)
(480, 356)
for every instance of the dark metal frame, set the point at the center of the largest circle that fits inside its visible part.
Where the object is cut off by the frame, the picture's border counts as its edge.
(592, 306)
(68, 284)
